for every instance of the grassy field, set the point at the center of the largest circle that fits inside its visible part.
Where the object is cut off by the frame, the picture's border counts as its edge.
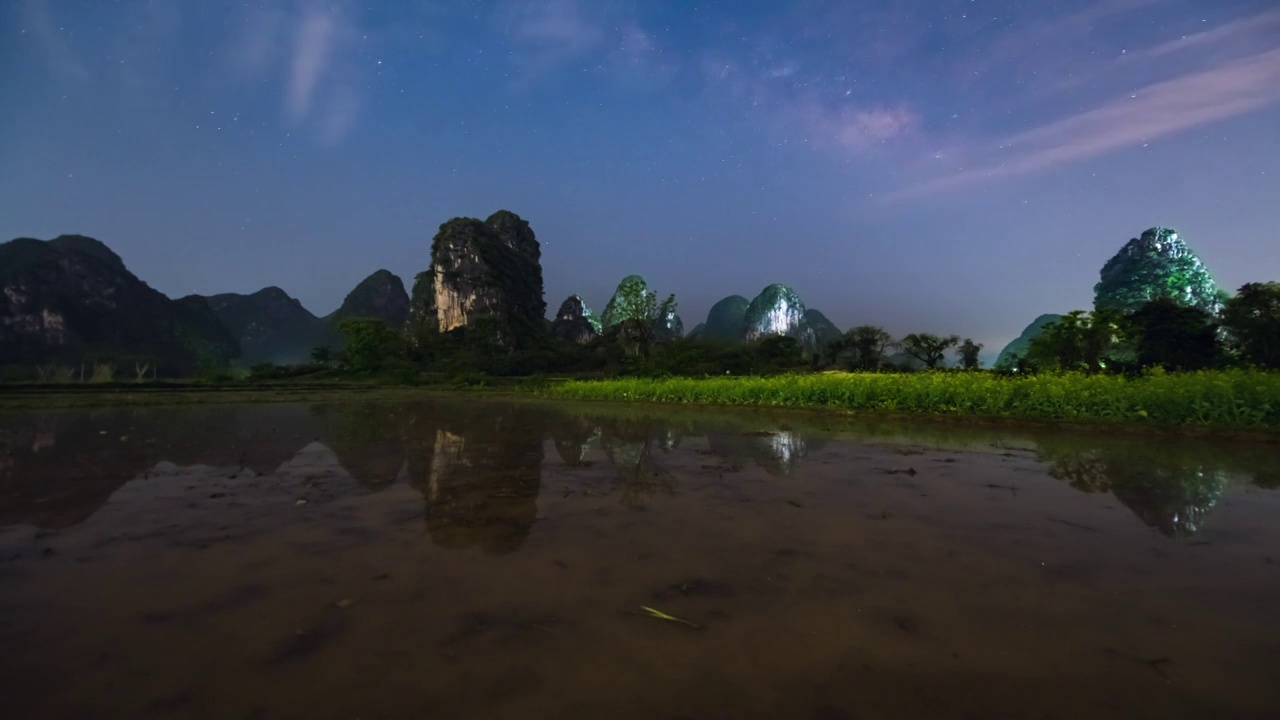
(1236, 399)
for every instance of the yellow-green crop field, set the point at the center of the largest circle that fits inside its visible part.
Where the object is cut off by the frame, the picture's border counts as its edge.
(1243, 399)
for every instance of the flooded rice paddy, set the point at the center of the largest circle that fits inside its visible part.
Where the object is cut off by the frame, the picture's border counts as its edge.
(461, 558)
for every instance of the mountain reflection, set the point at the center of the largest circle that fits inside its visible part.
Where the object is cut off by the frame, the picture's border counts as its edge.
(62, 467)
(478, 465)
(1169, 490)
(574, 437)
(479, 471)
(778, 452)
(368, 441)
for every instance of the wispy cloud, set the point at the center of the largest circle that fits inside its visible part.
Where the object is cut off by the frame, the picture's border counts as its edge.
(1153, 112)
(544, 36)
(548, 33)
(310, 48)
(775, 92)
(1230, 34)
(53, 39)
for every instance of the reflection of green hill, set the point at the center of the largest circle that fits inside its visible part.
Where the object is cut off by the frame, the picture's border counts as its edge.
(631, 447)
(1167, 488)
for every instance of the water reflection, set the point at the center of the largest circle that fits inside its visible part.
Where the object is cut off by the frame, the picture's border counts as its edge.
(1169, 490)
(482, 480)
(478, 465)
(574, 438)
(634, 448)
(368, 441)
(61, 467)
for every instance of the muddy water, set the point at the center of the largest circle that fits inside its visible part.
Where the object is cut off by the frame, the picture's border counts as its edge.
(493, 560)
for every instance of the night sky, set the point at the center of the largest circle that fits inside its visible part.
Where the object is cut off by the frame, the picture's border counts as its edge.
(951, 166)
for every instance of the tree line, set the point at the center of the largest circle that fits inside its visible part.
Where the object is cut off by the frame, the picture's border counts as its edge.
(1163, 333)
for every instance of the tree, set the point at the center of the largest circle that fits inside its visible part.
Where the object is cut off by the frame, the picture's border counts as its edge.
(1081, 341)
(662, 316)
(968, 353)
(779, 352)
(928, 348)
(867, 344)
(369, 344)
(1252, 321)
(634, 319)
(1174, 336)
(633, 336)
(631, 301)
(321, 355)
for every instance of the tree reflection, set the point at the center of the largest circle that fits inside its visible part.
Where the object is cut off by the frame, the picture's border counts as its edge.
(1171, 491)
(632, 447)
(573, 437)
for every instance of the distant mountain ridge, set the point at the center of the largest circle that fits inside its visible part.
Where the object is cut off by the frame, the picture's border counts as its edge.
(273, 327)
(270, 325)
(71, 300)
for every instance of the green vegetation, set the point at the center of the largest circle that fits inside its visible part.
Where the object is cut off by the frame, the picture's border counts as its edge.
(1252, 318)
(1162, 346)
(369, 344)
(1157, 265)
(1244, 399)
(928, 348)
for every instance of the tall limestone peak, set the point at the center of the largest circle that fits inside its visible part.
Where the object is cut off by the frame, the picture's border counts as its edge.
(574, 321)
(1159, 264)
(778, 310)
(628, 301)
(488, 271)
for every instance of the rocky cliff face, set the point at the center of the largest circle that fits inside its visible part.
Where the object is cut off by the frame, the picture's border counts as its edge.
(422, 306)
(381, 296)
(1157, 265)
(574, 322)
(488, 271)
(270, 326)
(777, 310)
(727, 320)
(72, 300)
(1021, 344)
(824, 331)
